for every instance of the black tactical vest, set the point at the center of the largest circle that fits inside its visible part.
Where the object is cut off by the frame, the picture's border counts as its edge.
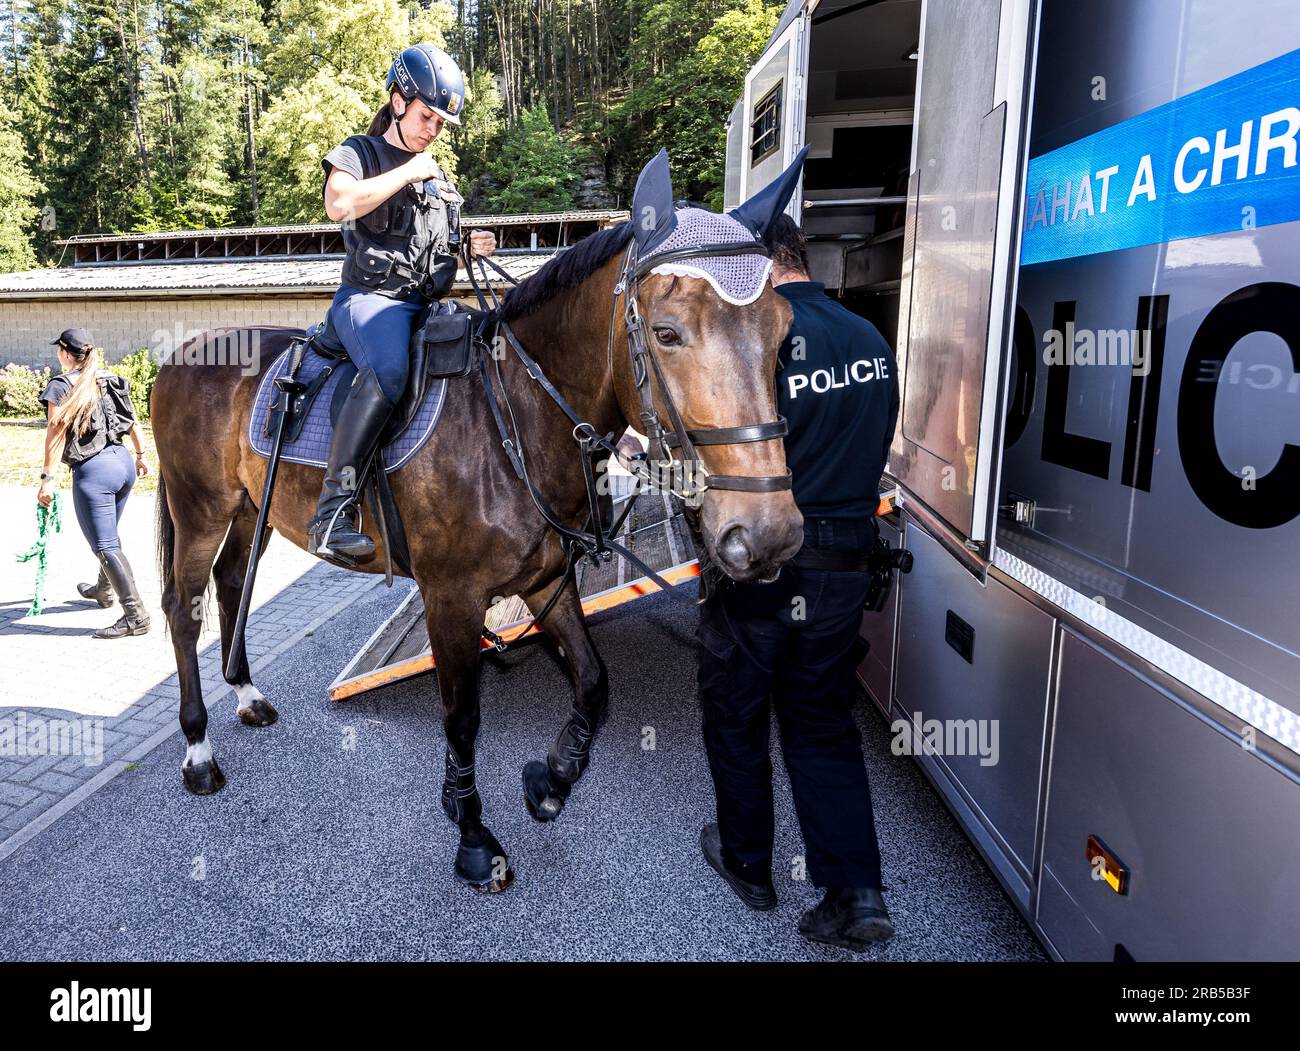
(407, 246)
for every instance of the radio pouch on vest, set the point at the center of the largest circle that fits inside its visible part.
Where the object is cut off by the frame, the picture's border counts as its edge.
(449, 344)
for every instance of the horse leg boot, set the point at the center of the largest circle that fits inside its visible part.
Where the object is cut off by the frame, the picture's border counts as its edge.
(134, 619)
(453, 627)
(335, 532)
(480, 859)
(547, 785)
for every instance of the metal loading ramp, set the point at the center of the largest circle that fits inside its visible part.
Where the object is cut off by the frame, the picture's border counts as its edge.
(654, 531)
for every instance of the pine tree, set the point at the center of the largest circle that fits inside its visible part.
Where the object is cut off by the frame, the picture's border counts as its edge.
(18, 193)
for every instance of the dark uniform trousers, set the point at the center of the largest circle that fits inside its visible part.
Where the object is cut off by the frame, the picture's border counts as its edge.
(795, 642)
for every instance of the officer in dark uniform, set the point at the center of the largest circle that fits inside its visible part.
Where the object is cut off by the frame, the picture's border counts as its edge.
(401, 231)
(795, 640)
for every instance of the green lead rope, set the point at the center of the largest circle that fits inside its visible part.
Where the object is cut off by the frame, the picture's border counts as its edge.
(48, 520)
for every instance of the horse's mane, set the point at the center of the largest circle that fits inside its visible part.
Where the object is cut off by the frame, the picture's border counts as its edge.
(565, 270)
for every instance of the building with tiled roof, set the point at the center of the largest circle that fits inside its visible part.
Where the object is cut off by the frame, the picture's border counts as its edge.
(153, 289)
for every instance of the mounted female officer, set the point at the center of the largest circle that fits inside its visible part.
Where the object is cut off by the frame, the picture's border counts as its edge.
(401, 231)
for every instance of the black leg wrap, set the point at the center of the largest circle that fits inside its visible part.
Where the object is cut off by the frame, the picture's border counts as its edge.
(547, 785)
(460, 798)
(571, 751)
(481, 863)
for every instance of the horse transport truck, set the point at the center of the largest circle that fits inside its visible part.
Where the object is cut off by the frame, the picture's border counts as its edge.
(1079, 224)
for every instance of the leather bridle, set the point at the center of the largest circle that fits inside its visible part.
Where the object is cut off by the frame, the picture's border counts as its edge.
(645, 365)
(654, 467)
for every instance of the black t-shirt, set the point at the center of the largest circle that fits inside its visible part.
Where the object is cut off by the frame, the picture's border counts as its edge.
(114, 416)
(838, 389)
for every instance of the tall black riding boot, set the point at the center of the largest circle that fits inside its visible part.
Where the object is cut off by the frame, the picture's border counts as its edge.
(134, 619)
(335, 531)
(101, 591)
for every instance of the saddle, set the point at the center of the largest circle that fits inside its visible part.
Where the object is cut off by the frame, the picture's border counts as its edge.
(442, 347)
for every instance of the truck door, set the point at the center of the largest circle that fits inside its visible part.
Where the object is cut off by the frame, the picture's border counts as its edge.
(775, 107)
(958, 261)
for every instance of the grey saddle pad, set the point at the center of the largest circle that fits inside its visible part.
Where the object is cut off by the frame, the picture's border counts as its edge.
(312, 446)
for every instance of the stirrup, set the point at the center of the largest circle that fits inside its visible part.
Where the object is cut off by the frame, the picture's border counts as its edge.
(323, 548)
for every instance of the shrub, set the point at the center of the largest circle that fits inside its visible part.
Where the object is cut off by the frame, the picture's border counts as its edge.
(19, 389)
(141, 369)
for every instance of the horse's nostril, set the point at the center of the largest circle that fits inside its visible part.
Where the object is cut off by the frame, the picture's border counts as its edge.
(734, 549)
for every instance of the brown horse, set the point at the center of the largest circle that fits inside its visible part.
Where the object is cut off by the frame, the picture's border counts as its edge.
(473, 530)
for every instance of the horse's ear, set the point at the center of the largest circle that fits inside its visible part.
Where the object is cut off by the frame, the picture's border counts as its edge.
(653, 217)
(761, 210)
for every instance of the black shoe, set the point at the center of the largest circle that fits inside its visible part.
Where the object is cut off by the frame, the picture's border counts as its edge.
(850, 917)
(758, 896)
(134, 619)
(101, 591)
(335, 531)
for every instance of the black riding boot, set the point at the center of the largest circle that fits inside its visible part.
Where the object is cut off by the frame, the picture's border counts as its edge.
(134, 619)
(101, 591)
(334, 531)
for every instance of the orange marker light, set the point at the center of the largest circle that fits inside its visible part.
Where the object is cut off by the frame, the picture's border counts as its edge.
(1112, 870)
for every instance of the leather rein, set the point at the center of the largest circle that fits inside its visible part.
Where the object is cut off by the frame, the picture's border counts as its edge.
(657, 467)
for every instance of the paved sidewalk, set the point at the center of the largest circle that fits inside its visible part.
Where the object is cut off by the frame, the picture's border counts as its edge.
(73, 707)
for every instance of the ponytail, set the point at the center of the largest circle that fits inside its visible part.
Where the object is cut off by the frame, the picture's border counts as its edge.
(75, 412)
(382, 119)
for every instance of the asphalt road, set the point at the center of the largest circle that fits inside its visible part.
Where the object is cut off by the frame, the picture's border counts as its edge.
(329, 843)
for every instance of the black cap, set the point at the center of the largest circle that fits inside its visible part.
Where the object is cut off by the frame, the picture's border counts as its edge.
(74, 339)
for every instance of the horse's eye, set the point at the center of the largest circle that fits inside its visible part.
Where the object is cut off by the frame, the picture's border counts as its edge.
(667, 335)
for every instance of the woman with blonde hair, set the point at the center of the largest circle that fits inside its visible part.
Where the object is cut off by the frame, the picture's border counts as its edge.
(89, 412)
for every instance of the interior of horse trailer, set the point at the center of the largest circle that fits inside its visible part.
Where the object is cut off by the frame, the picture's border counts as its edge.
(862, 64)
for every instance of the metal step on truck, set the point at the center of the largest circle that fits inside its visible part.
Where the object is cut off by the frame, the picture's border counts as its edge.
(1079, 224)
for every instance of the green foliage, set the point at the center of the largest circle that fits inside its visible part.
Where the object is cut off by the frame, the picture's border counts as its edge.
(141, 370)
(18, 190)
(535, 165)
(168, 114)
(303, 124)
(481, 126)
(19, 389)
(682, 101)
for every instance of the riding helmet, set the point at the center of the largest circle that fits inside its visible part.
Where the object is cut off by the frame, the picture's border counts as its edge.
(423, 71)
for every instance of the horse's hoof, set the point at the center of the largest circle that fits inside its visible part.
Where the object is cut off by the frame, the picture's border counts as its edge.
(204, 779)
(484, 867)
(259, 712)
(541, 796)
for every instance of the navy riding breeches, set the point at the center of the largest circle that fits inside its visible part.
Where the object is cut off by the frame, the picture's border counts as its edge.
(100, 487)
(376, 330)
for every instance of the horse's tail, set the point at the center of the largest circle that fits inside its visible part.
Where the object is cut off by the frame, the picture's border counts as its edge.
(165, 535)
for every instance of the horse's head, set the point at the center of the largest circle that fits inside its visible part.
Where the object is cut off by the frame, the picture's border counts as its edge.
(714, 325)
